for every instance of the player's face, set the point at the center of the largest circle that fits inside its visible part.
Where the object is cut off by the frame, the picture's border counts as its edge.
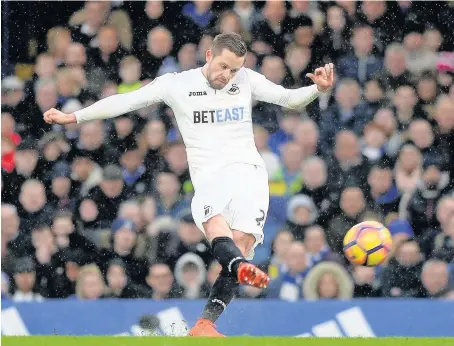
(222, 67)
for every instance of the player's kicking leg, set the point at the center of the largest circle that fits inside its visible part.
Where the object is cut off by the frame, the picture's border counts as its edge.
(229, 248)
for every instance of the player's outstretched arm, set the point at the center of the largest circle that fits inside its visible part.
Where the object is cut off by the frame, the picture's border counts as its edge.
(266, 91)
(110, 107)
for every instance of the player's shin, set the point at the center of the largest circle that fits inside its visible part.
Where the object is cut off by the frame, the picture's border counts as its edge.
(227, 254)
(222, 292)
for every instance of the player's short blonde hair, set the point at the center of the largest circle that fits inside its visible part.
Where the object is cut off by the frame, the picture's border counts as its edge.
(230, 41)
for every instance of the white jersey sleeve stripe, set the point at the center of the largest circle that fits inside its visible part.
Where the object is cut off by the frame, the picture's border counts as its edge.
(116, 105)
(266, 91)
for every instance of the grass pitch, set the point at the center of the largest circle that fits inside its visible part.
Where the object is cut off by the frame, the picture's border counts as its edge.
(231, 341)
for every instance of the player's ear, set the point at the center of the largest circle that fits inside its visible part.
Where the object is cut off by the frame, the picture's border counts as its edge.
(209, 55)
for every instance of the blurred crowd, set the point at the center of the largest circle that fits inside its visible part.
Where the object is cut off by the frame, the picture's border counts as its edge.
(102, 209)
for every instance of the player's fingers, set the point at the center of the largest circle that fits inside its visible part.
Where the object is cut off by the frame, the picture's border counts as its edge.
(50, 112)
(310, 75)
(322, 73)
(327, 70)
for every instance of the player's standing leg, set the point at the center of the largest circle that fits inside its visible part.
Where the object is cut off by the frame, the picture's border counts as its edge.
(229, 248)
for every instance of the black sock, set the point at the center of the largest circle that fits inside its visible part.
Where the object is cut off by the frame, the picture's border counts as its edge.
(222, 292)
(227, 254)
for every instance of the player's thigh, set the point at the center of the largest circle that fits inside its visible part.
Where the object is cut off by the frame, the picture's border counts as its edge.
(249, 206)
(208, 207)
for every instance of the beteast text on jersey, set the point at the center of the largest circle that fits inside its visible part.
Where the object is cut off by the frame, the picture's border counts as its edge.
(219, 115)
(197, 93)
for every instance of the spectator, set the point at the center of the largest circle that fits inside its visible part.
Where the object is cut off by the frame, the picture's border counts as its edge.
(347, 114)
(170, 201)
(378, 16)
(374, 94)
(374, 140)
(336, 34)
(154, 137)
(92, 143)
(26, 161)
(118, 283)
(160, 282)
(110, 192)
(135, 176)
(85, 173)
(307, 135)
(362, 64)
(122, 136)
(406, 108)
(435, 278)
(298, 61)
(444, 131)
(25, 279)
(190, 274)
(199, 12)
(314, 174)
(46, 98)
(301, 214)
(395, 73)
(317, 248)
(288, 285)
(269, 34)
(62, 272)
(90, 283)
(427, 89)
(67, 238)
(443, 243)
(58, 41)
(124, 241)
(187, 57)
(384, 117)
(292, 157)
(176, 159)
(276, 264)
(348, 164)
(76, 55)
(34, 209)
(421, 134)
(159, 46)
(108, 54)
(432, 185)
(353, 206)
(401, 278)
(86, 23)
(418, 57)
(12, 92)
(230, 21)
(187, 239)
(328, 281)
(61, 188)
(408, 168)
(130, 73)
(247, 12)
(161, 13)
(366, 282)
(384, 195)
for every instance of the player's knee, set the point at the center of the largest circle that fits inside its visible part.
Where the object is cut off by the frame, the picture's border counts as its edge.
(216, 227)
(243, 241)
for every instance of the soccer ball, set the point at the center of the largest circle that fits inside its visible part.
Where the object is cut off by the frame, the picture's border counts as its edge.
(368, 243)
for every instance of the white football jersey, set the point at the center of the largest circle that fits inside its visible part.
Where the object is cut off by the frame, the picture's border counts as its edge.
(216, 125)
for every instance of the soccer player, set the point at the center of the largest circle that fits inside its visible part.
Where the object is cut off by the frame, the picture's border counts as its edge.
(212, 106)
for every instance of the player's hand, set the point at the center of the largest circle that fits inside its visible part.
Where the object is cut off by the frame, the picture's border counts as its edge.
(54, 116)
(323, 77)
